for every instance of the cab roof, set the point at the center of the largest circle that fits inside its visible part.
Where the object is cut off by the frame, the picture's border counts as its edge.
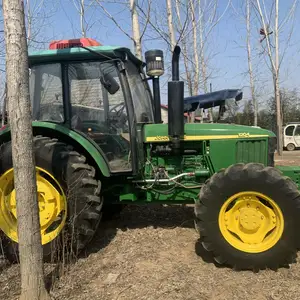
(78, 53)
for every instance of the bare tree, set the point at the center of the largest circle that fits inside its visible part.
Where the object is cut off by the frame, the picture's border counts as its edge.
(244, 14)
(136, 34)
(170, 24)
(81, 6)
(38, 16)
(208, 20)
(202, 19)
(29, 238)
(184, 49)
(82, 18)
(195, 48)
(266, 19)
(249, 55)
(276, 80)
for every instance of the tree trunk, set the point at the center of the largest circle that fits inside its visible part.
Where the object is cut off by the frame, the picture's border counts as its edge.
(29, 22)
(82, 18)
(202, 58)
(170, 24)
(276, 83)
(136, 35)
(195, 50)
(184, 50)
(275, 69)
(250, 64)
(29, 237)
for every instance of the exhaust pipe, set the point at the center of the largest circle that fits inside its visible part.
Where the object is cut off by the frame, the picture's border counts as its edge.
(175, 63)
(176, 104)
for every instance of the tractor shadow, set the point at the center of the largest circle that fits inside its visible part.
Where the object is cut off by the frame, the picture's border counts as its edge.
(150, 215)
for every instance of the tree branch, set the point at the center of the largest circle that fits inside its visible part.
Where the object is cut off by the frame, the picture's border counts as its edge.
(113, 19)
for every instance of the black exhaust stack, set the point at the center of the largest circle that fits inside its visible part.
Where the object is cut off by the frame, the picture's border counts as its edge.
(176, 104)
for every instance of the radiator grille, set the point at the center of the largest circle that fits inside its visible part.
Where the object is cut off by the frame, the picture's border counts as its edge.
(251, 151)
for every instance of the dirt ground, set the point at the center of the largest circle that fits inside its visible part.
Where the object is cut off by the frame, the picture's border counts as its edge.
(152, 252)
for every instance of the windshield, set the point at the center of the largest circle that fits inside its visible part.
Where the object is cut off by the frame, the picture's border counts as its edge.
(140, 93)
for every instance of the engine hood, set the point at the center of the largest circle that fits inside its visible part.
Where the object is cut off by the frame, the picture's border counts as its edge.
(198, 132)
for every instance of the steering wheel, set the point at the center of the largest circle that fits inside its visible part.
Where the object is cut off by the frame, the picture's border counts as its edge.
(120, 111)
(118, 120)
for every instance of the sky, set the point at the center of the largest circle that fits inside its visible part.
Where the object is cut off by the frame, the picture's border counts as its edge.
(228, 64)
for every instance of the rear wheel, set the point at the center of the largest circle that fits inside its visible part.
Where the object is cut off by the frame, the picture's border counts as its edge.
(248, 217)
(68, 194)
(290, 147)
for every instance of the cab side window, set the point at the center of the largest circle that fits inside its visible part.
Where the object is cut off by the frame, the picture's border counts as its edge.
(289, 130)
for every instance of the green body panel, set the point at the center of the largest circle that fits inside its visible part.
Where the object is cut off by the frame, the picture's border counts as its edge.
(226, 152)
(88, 145)
(196, 132)
(77, 53)
(225, 144)
(291, 171)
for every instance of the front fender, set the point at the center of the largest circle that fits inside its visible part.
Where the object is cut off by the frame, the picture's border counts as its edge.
(56, 130)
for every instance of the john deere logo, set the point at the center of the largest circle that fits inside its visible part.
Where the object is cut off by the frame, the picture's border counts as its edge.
(244, 134)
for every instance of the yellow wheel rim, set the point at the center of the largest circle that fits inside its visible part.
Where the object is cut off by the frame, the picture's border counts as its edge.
(52, 205)
(251, 222)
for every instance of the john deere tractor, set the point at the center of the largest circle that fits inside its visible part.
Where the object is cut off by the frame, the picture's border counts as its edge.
(100, 143)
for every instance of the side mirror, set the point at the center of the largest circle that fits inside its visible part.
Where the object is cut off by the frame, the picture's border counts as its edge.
(110, 84)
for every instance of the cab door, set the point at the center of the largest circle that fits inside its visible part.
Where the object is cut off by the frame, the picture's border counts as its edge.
(98, 109)
(297, 136)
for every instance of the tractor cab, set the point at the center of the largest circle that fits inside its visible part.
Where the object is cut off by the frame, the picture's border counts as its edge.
(100, 93)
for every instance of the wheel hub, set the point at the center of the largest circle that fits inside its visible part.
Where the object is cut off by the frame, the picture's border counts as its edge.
(251, 222)
(51, 201)
(250, 219)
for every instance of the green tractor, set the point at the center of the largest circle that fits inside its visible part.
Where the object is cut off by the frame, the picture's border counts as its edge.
(99, 144)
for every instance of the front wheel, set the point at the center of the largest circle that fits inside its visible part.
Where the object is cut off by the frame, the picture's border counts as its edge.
(249, 217)
(290, 147)
(68, 195)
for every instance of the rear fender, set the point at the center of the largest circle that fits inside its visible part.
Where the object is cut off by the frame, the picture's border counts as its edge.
(82, 144)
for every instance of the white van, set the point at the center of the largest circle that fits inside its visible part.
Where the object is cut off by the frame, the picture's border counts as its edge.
(291, 136)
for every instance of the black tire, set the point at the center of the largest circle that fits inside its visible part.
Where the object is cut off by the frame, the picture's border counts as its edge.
(82, 190)
(290, 147)
(240, 178)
